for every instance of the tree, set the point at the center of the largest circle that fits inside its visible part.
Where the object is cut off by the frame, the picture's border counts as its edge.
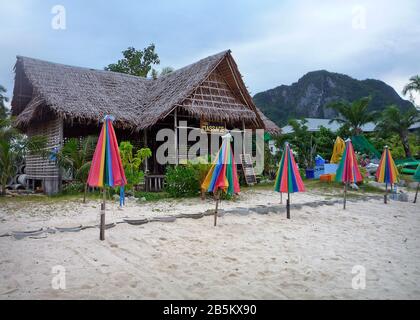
(76, 155)
(353, 115)
(3, 110)
(302, 142)
(166, 70)
(132, 162)
(13, 147)
(136, 62)
(393, 120)
(412, 86)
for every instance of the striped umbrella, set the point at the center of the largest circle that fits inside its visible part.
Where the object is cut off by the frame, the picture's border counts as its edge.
(222, 176)
(387, 171)
(288, 178)
(348, 170)
(106, 168)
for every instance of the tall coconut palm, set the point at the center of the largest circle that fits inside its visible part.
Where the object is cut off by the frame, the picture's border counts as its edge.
(413, 85)
(353, 115)
(392, 120)
(14, 146)
(3, 99)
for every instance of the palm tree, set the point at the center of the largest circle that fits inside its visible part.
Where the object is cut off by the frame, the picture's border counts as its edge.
(3, 99)
(353, 115)
(14, 146)
(394, 121)
(76, 156)
(413, 85)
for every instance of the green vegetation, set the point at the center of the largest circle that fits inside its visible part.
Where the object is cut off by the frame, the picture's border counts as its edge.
(136, 62)
(13, 147)
(75, 156)
(393, 121)
(353, 115)
(185, 180)
(132, 162)
(307, 144)
(412, 87)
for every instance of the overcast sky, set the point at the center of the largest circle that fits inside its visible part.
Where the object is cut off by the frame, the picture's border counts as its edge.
(273, 42)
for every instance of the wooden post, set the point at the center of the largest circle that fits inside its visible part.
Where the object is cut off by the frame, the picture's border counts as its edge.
(176, 135)
(417, 191)
(146, 161)
(84, 194)
(345, 195)
(217, 195)
(386, 193)
(102, 225)
(288, 205)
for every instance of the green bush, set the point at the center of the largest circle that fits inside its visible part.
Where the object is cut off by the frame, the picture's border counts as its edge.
(182, 181)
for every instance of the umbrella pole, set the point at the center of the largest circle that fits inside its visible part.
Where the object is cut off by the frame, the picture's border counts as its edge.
(217, 206)
(417, 191)
(281, 198)
(288, 205)
(84, 195)
(345, 195)
(386, 193)
(102, 226)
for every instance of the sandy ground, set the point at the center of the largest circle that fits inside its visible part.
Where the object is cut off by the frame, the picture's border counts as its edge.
(251, 256)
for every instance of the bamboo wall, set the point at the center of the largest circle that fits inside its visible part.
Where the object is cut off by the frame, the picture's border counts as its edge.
(41, 168)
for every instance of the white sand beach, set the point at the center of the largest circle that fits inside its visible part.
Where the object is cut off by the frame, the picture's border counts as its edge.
(247, 256)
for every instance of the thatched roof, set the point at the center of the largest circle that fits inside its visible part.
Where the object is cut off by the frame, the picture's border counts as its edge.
(45, 89)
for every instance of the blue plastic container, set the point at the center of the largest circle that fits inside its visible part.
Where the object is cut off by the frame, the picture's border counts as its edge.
(310, 173)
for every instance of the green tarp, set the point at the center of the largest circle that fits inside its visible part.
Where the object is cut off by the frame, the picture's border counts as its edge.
(416, 176)
(361, 144)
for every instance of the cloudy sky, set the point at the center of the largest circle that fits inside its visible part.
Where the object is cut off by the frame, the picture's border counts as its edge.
(273, 42)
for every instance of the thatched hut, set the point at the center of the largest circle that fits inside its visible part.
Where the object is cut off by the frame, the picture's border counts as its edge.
(60, 101)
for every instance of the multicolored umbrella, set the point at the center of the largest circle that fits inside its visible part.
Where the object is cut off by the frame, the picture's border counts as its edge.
(222, 175)
(106, 168)
(288, 178)
(387, 171)
(348, 170)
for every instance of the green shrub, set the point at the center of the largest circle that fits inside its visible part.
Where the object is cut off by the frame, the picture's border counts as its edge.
(182, 181)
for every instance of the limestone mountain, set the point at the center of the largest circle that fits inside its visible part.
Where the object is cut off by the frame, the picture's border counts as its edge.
(308, 97)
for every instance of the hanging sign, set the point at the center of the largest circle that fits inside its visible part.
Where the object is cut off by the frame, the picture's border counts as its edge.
(212, 127)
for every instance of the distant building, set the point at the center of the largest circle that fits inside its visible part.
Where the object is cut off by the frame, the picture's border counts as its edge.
(314, 124)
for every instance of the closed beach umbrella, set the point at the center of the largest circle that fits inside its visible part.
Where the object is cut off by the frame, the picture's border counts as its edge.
(338, 150)
(348, 170)
(222, 176)
(106, 168)
(288, 178)
(387, 171)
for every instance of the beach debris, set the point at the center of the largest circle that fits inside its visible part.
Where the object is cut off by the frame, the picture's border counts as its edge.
(18, 235)
(136, 222)
(69, 229)
(191, 215)
(163, 219)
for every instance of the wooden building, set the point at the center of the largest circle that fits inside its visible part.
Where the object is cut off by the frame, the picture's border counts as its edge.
(60, 101)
